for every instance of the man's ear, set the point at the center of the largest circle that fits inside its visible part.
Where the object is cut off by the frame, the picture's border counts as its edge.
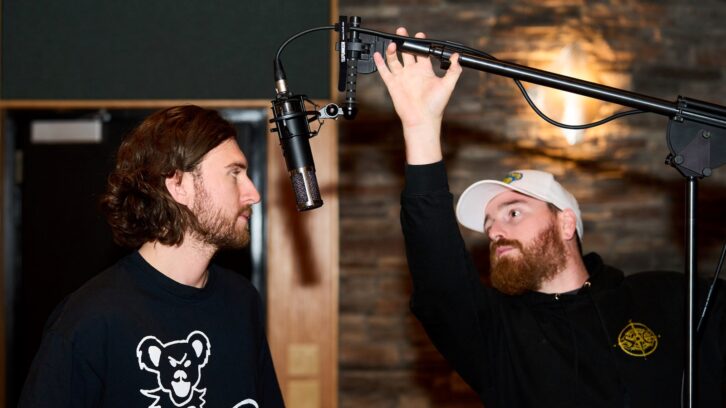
(568, 224)
(178, 187)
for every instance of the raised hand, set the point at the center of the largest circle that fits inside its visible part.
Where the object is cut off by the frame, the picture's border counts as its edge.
(419, 97)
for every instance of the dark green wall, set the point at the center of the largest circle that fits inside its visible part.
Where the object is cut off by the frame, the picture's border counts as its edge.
(161, 49)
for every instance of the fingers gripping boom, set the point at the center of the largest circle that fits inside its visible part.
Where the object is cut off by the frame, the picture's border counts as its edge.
(419, 97)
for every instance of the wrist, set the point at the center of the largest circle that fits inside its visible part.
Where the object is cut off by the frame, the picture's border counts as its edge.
(423, 143)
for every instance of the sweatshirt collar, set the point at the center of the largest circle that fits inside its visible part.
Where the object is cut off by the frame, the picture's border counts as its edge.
(602, 277)
(157, 282)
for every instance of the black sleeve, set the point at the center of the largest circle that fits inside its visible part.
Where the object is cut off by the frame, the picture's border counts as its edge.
(59, 377)
(267, 385)
(448, 297)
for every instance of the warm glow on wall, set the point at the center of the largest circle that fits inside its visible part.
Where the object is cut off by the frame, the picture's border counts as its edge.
(565, 107)
(573, 112)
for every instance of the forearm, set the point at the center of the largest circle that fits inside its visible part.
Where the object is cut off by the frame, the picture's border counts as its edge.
(447, 296)
(437, 256)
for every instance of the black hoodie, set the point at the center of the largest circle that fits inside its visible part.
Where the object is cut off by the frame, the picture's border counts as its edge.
(615, 342)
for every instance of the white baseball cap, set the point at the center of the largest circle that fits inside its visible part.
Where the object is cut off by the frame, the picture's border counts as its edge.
(534, 183)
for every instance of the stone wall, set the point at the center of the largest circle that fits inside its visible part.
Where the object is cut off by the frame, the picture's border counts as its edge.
(633, 204)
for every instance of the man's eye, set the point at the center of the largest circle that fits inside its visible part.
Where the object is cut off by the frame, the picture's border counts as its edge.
(514, 213)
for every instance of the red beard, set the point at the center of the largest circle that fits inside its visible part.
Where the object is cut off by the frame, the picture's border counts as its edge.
(538, 262)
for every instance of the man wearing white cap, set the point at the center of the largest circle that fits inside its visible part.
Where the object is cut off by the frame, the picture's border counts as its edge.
(557, 329)
(509, 210)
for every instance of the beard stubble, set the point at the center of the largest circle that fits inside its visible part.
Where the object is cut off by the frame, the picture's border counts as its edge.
(215, 227)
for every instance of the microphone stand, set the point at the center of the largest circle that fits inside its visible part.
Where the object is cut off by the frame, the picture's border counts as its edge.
(696, 133)
(696, 139)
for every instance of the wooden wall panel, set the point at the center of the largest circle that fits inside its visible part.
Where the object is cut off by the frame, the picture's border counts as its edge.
(302, 278)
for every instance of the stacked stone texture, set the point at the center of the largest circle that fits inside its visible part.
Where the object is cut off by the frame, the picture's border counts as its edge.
(633, 205)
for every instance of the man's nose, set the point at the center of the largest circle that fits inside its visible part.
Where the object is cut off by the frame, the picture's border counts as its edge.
(495, 231)
(248, 193)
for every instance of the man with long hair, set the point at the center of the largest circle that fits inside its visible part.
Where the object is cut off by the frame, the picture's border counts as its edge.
(164, 327)
(556, 329)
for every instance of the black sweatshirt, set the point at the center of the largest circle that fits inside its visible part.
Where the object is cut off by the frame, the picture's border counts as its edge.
(132, 337)
(616, 342)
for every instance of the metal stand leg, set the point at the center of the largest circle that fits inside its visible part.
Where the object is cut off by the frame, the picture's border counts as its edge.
(691, 274)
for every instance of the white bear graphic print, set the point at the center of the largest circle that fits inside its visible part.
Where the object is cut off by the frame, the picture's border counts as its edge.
(178, 367)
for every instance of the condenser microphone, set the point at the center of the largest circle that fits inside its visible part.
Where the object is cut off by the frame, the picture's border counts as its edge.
(293, 128)
(293, 120)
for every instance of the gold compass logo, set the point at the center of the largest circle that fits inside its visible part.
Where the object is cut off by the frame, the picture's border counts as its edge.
(637, 340)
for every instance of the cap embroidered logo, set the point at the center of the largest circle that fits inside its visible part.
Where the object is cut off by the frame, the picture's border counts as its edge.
(512, 177)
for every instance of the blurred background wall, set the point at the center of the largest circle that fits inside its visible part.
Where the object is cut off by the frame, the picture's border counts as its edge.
(633, 205)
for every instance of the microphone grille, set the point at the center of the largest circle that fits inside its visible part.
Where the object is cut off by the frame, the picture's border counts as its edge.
(305, 187)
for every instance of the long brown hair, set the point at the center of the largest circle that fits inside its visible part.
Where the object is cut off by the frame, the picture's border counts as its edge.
(137, 204)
